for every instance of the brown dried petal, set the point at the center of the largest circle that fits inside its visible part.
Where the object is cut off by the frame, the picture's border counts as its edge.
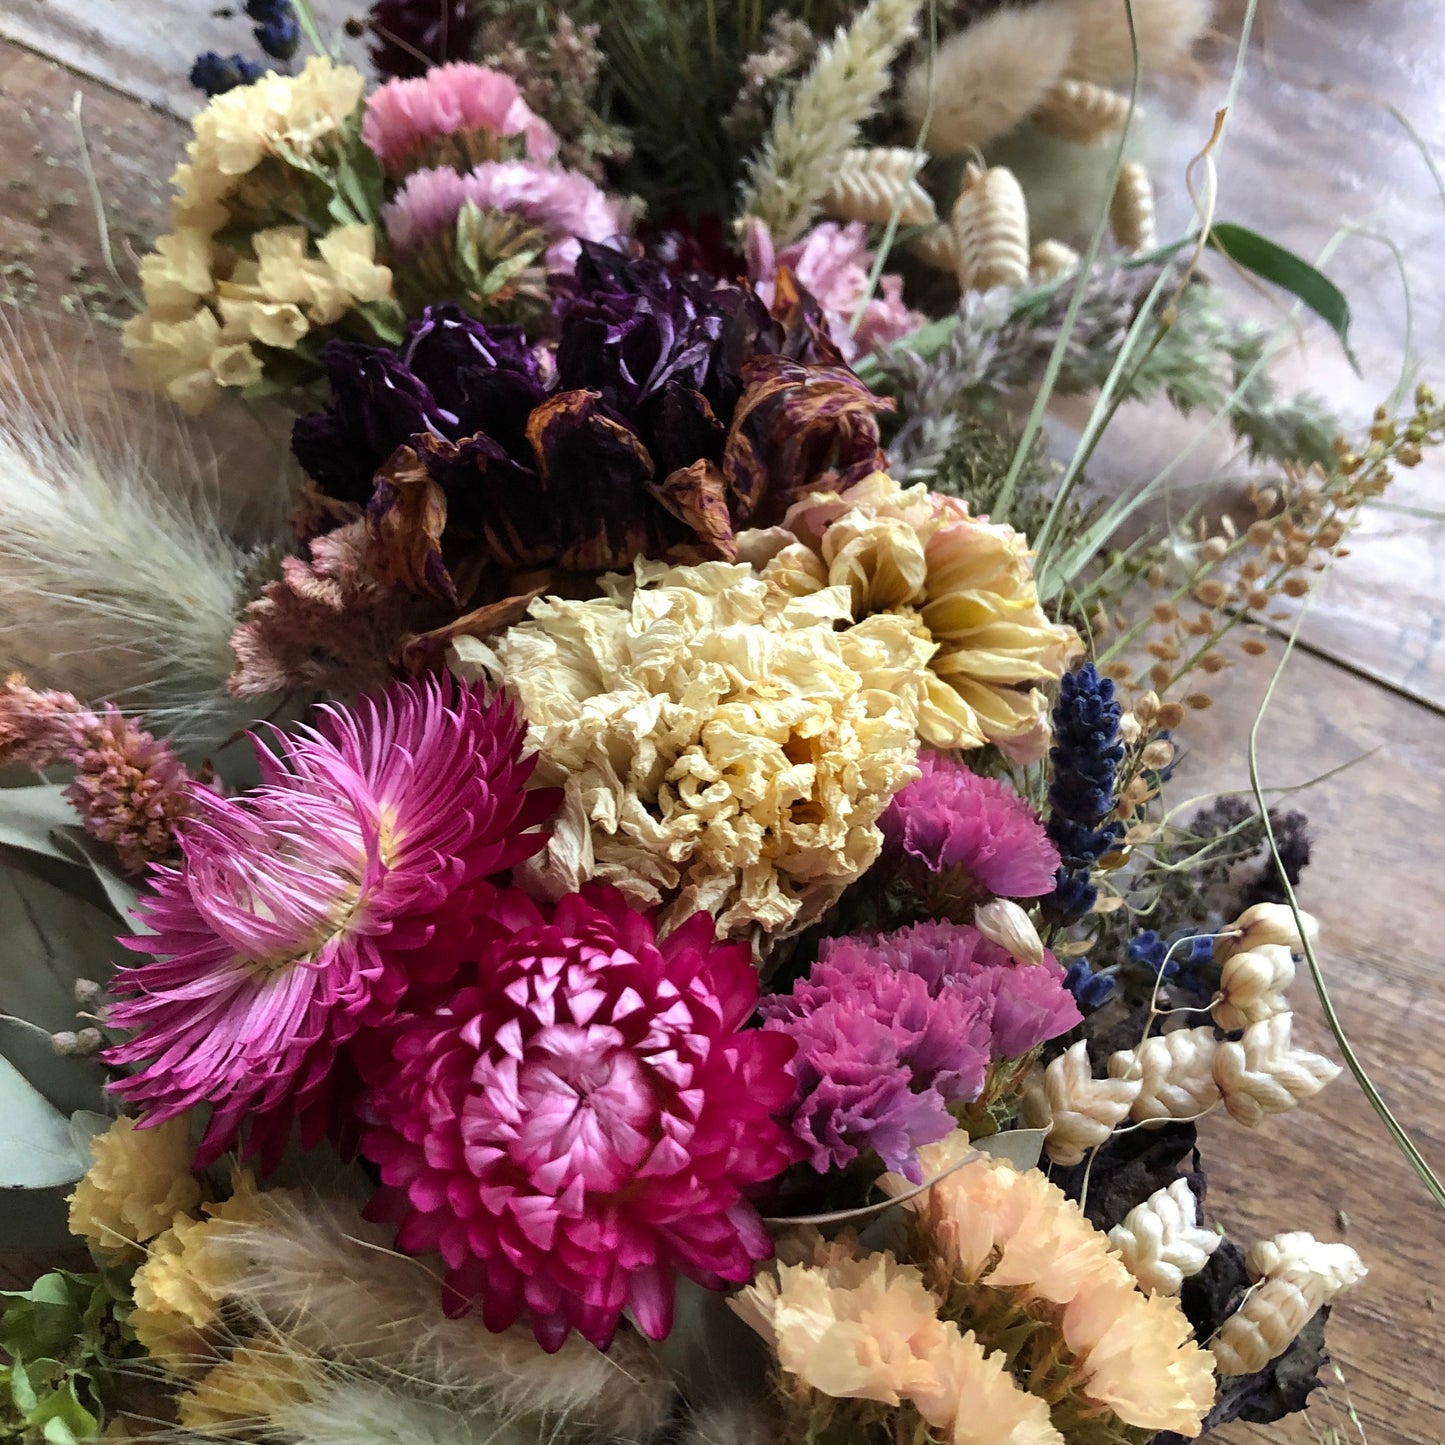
(405, 521)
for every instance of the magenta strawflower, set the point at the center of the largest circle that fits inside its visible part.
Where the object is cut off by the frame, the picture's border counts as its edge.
(892, 1029)
(564, 205)
(470, 102)
(953, 818)
(305, 909)
(585, 1121)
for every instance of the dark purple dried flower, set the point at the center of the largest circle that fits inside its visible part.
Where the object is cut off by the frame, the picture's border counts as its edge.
(413, 35)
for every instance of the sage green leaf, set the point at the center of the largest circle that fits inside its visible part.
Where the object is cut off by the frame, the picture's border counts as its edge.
(48, 939)
(29, 815)
(120, 892)
(1019, 1147)
(36, 1150)
(1272, 262)
(69, 1084)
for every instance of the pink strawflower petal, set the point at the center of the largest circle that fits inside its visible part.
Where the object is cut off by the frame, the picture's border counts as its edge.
(450, 100)
(305, 909)
(585, 1121)
(952, 817)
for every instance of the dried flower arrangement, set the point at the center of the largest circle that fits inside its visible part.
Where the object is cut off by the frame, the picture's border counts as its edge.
(675, 969)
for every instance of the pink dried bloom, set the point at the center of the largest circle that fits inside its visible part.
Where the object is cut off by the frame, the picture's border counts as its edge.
(462, 100)
(585, 1121)
(564, 205)
(833, 263)
(304, 909)
(953, 818)
(130, 789)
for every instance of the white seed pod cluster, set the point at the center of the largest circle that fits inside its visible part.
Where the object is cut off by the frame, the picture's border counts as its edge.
(936, 247)
(1297, 1275)
(1264, 1074)
(1085, 1110)
(1161, 1241)
(1051, 259)
(1175, 1073)
(1252, 986)
(872, 180)
(1131, 211)
(991, 230)
(1264, 923)
(1080, 111)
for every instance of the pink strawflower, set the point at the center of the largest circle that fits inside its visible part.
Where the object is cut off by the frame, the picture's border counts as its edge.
(304, 909)
(130, 790)
(833, 263)
(452, 100)
(953, 818)
(892, 1029)
(585, 1121)
(564, 205)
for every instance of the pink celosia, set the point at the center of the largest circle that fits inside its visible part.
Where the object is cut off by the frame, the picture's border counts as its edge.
(833, 263)
(585, 1121)
(305, 909)
(564, 205)
(451, 100)
(952, 817)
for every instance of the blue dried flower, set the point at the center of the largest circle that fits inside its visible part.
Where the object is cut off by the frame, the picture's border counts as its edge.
(216, 74)
(1090, 990)
(279, 37)
(1151, 953)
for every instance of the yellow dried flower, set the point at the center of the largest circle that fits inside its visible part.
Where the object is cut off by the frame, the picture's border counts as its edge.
(140, 1181)
(248, 1389)
(962, 584)
(177, 274)
(723, 746)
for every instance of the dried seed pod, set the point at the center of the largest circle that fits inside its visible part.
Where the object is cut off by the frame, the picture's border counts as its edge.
(1336, 1266)
(1264, 1325)
(1252, 986)
(1262, 1074)
(1174, 1072)
(1160, 1240)
(991, 230)
(871, 181)
(1131, 211)
(1079, 110)
(1085, 1110)
(1003, 922)
(1271, 923)
(1051, 259)
(936, 247)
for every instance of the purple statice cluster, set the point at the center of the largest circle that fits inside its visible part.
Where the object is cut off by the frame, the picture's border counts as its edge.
(1084, 758)
(894, 1029)
(958, 838)
(277, 33)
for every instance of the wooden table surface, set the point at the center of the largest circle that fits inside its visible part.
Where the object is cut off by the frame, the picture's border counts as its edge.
(1311, 147)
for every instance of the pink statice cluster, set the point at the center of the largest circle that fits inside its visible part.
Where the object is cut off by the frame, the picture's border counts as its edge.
(564, 205)
(584, 1120)
(457, 100)
(309, 908)
(833, 263)
(893, 1029)
(953, 820)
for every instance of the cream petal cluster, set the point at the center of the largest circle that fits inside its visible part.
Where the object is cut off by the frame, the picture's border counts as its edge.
(964, 584)
(723, 746)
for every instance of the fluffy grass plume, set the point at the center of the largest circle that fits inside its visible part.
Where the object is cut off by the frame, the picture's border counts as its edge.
(118, 579)
(814, 129)
(989, 76)
(313, 1272)
(1166, 30)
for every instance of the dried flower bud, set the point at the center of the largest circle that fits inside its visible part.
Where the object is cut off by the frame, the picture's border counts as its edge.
(1265, 923)
(1211, 592)
(1215, 549)
(1263, 1074)
(1003, 922)
(66, 1043)
(1050, 260)
(87, 992)
(1160, 1240)
(991, 230)
(1159, 754)
(1170, 715)
(1252, 986)
(1131, 210)
(1084, 1110)
(1337, 1266)
(1174, 1072)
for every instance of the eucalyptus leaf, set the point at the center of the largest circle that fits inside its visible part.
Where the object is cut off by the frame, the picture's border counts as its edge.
(69, 1084)
(36, 1150)
(121, 894)
(50, 939)
(1020, 1147)
(28, 817)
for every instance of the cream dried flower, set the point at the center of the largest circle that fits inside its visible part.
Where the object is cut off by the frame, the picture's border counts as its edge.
(874, 181)
(1131, 209)
(977, 1401)
(853, 1328)
(1337, 1267)
(1160, 1240)
(723, 746)
(991, 230)
(1174, 1071)
(1264, 1074)
(1252, 986)
(963, 585)
(251, 1386)
(1265, 923)
(1083, 1111)
(140, 1181)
